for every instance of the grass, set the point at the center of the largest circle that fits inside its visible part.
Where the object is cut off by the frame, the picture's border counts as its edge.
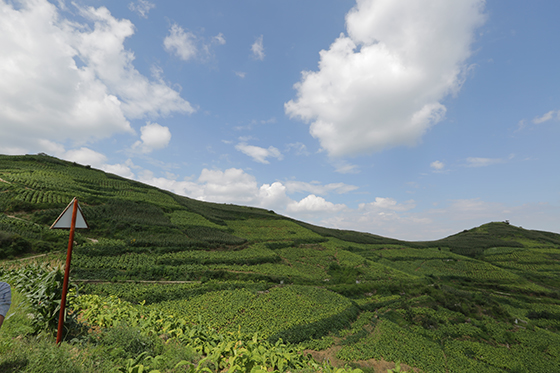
(22, 351)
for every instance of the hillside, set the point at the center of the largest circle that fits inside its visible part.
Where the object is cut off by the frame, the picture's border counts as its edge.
(483, 300)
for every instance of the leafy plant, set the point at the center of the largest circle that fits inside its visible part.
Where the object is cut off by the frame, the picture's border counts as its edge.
(42, 287)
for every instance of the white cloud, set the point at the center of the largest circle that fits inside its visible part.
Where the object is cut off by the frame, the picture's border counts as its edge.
(381, 85)
(344, 167)
(472, 210)
(383, 216)
(184, 187)
(314, 204)
(121, 169)
(268, 121)
(520, 125)
(273, 196)
(381, 203)
(258, 49)
(47, 97)
(219, 39)
(232, 185)
(142, 7)
(546, 117)
(240, 74)
(180, 43)
(437, 165)
(298, 147)
(103, 50)
(188, 46)
(483, 162)
(259, 154)
(86, 156)
(317, 188)
(154, 136)
(402, 221)
(236, 186)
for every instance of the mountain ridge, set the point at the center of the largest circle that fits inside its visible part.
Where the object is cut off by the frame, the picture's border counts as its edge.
(216, 212)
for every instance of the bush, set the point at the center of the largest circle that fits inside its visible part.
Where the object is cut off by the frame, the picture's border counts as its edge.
(42, 287)
(17, 205)
(11, 245)
(127, 342)
(43, 247)
(5, 238)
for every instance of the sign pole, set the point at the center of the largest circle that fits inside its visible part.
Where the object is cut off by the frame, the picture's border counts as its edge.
(67, 273)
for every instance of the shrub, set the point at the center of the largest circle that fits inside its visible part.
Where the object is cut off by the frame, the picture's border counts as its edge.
(12, 245)
(127, 342)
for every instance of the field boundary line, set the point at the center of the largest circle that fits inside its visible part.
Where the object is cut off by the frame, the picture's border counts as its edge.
(135, 281)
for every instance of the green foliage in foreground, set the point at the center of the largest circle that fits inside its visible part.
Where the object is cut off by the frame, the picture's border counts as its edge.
(42, 287)
(124, 338)
(234, 351)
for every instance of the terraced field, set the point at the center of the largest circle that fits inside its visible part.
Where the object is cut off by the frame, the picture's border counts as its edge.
(484, 300)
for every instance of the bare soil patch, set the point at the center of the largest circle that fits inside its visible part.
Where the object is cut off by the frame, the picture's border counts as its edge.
(378, 366)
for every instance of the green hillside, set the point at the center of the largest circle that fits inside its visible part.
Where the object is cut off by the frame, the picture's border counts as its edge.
(483, 300)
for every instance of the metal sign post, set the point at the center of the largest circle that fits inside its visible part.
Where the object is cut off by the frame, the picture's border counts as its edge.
(66, 220)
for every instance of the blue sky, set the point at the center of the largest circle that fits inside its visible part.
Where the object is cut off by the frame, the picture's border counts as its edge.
(407, 119)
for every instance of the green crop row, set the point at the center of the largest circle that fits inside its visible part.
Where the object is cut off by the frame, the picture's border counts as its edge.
(233, 352)
(293, 313)
(98, 255)
(266, 230)
(156, 293)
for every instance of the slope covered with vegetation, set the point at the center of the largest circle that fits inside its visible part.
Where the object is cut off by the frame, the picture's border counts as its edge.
(484, 300)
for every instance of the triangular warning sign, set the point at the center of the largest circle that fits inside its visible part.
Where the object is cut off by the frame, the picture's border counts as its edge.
(64, 221)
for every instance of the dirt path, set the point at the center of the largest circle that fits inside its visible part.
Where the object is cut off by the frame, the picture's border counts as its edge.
(29, 257)
(378, 366)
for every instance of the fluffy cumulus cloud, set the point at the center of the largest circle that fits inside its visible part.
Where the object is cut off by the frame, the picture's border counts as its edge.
(86, 156)
(180, 43)
(64, 80)
(153, 137)
(259, 154)
(382, 84)
(314, 204)
(384, 216)
(122, 169)
(437, 166)
(234, 185)
(273, 196)
(230, 186)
